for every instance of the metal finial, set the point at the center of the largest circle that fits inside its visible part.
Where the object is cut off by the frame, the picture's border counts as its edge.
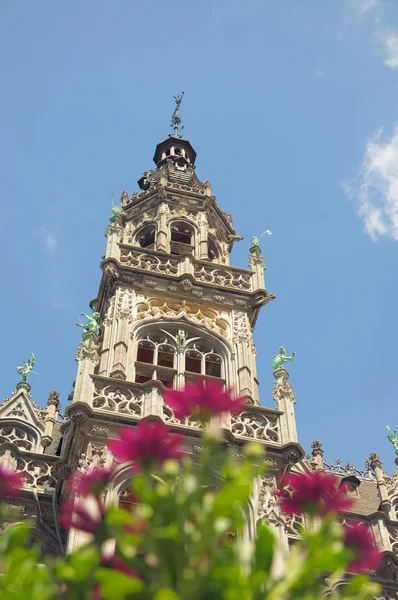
(176, 119)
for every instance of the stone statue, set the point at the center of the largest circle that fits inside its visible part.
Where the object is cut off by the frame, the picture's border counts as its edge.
(27, 368)
(92, 323)
(278, 360)
(255, 243)
(393, 438)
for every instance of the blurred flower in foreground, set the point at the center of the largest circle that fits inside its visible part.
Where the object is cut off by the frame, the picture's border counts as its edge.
(358, 538)
(92, 482)
(82, 517)
(312, 493)
(203, 400)
(10, 482)
(145, 445)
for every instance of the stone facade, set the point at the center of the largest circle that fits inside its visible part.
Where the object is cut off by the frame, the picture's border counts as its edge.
(173, 309)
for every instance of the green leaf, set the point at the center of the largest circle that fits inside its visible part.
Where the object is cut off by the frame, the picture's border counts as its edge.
(264, 548)
(166, 594)
(116, 585)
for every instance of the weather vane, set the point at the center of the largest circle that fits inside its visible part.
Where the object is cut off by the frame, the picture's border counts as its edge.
(176, 119)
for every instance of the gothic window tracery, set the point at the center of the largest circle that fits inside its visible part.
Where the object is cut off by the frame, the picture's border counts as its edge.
(159, 356)
(20, 436)
(156, 359)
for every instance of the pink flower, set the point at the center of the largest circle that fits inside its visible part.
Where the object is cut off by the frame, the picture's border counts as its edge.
(81, 517)
(358, 538)
(116, 563)
(10, 482)
(312, 493)
(204, 399)
(92, 482)
(146, 444)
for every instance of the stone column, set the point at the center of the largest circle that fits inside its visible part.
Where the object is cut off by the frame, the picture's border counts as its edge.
(317, 453)
(375, 463)
(53, 405)
(118, 370)
(285, 400)
(112, 246)
(161, 236)
(87, 359)
(257, 265)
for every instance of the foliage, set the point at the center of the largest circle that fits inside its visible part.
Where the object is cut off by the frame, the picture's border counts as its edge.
(184, 539)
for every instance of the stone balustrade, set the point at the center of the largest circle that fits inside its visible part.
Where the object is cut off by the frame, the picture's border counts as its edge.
(176, 266)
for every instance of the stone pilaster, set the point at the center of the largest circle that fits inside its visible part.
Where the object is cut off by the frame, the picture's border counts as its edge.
(53, 406)
(285, 400)
(376, 465)
(257, 265)
(162, 238)
(203, 232)
(87, 359)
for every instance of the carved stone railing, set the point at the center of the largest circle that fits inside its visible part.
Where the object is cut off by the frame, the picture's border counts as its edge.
(257, 423)
(229, 277)
(175, 266)
(138, 258)
(339, 469)
(137, 401)
(35, 468)
(118, 398)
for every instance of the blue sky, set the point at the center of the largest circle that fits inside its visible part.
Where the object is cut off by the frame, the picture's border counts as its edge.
(292, 108)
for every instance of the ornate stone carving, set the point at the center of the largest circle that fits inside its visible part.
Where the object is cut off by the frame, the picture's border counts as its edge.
(100, 431)
(257, 425)
(316, 448)
(148, 262)
(37, 473)
(186, 284)
(241, 328)
(223, 276)
(201, 315)
(218, 297)
(118, 399)
(53, 399)
(89, 351)
(78, 416)
(282, 388)
(347, 469)
(169, 417)
(291, 457)
(22, 439)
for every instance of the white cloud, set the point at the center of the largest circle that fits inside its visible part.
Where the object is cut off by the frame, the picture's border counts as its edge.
(49, 240)
(376, 189)
(363, 6)
(318, 73)
(390, 42)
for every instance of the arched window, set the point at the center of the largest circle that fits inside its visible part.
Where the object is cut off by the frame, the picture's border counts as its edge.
(156, 359)
(182, 237)
(197, 357)
(213, 250)
(145, 236)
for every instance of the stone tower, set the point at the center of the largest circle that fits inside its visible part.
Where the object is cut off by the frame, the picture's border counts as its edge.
(172, 310)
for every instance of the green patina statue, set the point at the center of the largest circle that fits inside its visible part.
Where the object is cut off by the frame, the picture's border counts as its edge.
(393, 438)
(279, 359)
(27, 368)
(92, 323)
(114, 220)
(255, 242)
